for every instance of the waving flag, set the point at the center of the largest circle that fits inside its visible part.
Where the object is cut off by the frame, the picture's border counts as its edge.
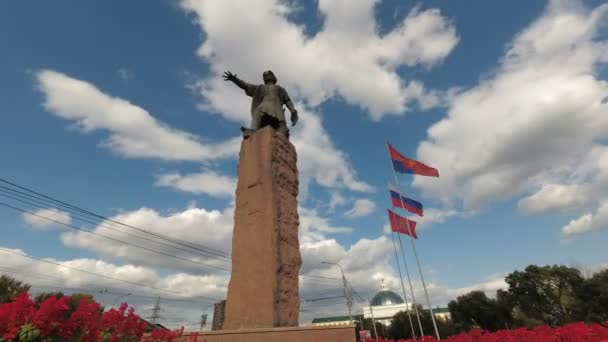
(400, 224)
(400, 201)
(403, 164)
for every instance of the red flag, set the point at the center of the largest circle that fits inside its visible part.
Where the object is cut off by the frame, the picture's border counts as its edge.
(404, 164)
(400, 224)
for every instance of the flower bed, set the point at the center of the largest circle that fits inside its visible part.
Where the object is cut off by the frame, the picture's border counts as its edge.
(575, 332)
(52, 320)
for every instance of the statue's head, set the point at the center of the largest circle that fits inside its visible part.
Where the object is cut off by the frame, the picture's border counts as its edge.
(269, 77)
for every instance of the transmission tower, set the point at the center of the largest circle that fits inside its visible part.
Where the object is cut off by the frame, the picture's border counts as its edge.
(156, 310)
(203, 321)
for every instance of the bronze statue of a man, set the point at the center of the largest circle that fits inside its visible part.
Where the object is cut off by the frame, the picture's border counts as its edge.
(266, 103)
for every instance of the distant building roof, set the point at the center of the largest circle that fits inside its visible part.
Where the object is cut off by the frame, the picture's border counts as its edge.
(386, 297)
(334, 319)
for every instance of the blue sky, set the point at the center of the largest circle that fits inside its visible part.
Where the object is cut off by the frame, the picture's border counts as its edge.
(118, 107)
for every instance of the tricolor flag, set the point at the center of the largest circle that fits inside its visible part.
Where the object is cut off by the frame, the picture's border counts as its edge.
(400, 201)
(400, 224)
(403, 164)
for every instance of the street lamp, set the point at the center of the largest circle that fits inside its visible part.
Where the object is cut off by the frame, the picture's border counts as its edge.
(349, 300)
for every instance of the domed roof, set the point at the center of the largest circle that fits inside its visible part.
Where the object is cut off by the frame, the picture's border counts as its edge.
(386, 297)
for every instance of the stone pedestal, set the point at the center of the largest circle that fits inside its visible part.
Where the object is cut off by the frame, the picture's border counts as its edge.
(263, 288)
(343, 333)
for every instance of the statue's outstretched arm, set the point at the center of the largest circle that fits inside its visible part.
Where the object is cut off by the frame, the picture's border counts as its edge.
(228, 76)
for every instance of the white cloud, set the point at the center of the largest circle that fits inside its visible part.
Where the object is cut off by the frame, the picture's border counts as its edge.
(314, 227)
(588, 222)
(182, 293)
(320, 160)
(210, 228)
(531, 124)
(552, 197)
(435, 215)
(336, 199)
(125, 74)
(46, 219)
(489, 286)
(585, 187)
(206, 182)
(136, 134)
(133, 131)
(361, 207)
(346, 58)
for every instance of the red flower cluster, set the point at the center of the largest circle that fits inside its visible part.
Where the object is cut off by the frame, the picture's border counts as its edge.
(24, 320)
(575, 332)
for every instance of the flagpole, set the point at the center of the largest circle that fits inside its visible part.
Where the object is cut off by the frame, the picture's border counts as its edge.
(409, 229)
(407, 272)
(407, 309)
(371, 311)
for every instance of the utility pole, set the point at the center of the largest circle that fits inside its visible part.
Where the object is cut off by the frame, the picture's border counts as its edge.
(347, 292)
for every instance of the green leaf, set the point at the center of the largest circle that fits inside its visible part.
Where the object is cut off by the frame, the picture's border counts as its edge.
(28, 333)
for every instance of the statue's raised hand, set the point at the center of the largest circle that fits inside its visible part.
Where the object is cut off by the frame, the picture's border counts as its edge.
(294, 117)
(228, 76)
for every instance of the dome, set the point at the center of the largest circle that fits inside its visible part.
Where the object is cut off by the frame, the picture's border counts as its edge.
(386, 297)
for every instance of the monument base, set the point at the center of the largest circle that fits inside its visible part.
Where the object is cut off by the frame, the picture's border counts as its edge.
(341, 333)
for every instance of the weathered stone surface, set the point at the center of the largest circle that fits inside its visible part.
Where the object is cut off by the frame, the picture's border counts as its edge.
(343, 333)
(263, 288)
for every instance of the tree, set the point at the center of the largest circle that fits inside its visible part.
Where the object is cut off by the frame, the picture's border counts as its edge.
(476, 310)
(400, 325)
(367, 325)
(546, 294)
(592, 305)
(10, 287)
(41, 297)
(73, 302)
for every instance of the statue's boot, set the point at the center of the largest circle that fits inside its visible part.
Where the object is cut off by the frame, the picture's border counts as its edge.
(247, 132)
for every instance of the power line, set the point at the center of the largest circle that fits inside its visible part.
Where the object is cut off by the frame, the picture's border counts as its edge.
(71, 208)
(319, 299)
(67, 205)
(96, 274)
(113, 239)
(83, 218)
(87, 286)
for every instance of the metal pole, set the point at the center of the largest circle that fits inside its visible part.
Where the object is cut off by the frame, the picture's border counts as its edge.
(409, 229)
(407, 309)
(371, 311)
(349, 300)
(407, 272)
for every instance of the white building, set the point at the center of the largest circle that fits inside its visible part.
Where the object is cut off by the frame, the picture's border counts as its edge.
(384, 305)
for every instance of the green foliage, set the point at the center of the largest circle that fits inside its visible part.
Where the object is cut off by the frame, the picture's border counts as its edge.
(367, 325)
(41, 297)
(547, 294)
(10, 287)
(538, 295)
(28, 333)
(400, 325)
(74, 299)
(476, 310)
(592, 305)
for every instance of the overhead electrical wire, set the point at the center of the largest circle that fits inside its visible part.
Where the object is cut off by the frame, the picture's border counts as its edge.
(45, 199)
(113, 239)
(97, 274)
(88, 286)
